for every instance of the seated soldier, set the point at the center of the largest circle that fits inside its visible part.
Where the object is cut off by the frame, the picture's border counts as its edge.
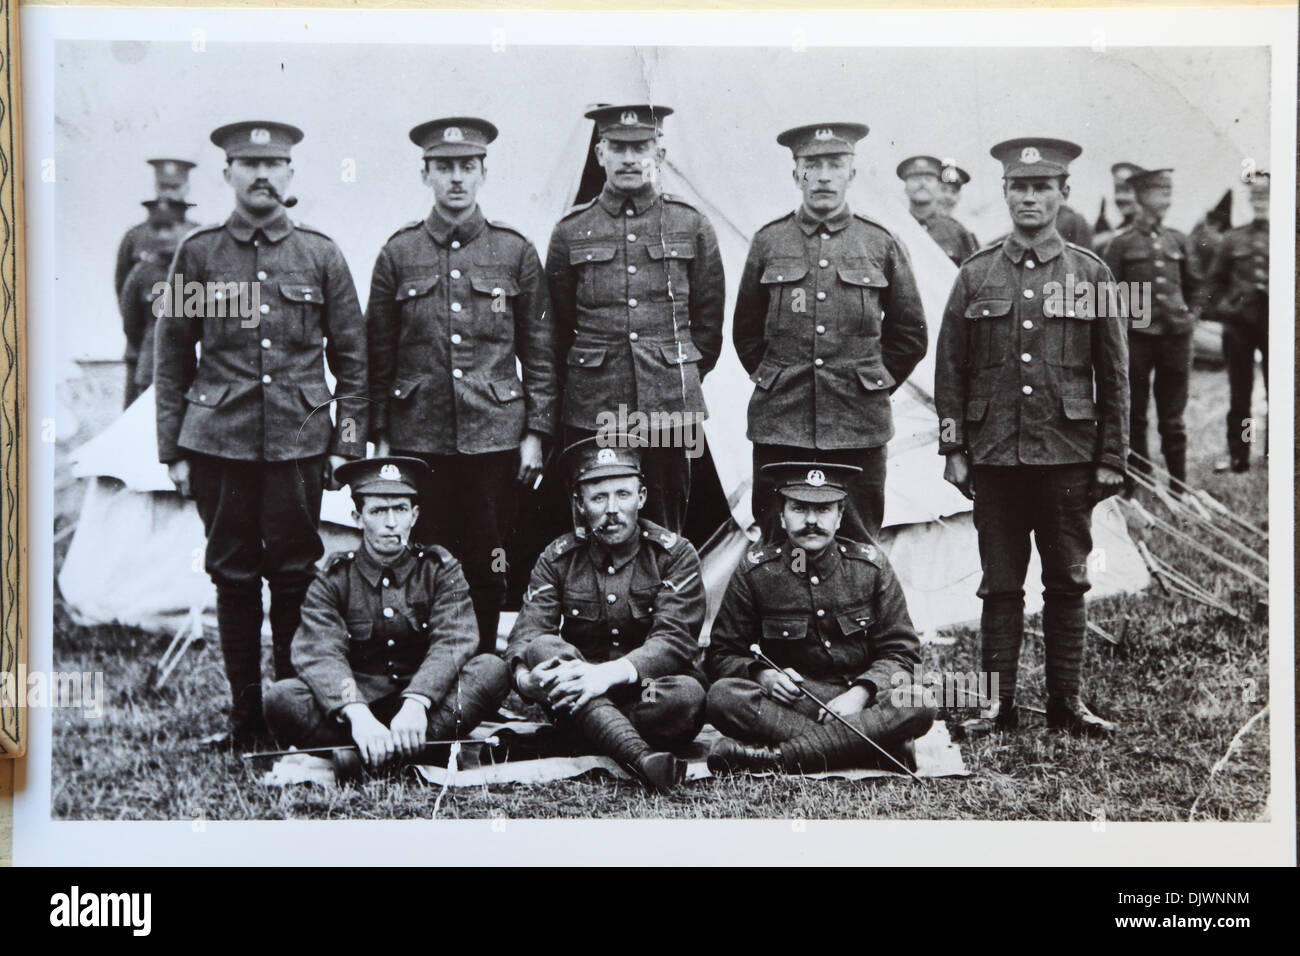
(611, 620)
(385, 652)
(831, 613)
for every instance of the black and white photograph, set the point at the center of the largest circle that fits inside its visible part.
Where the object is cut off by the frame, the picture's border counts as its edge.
(445, 417)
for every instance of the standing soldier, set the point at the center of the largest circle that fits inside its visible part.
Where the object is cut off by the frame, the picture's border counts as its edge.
(951, 181)
(246, 429)
(923, 181)
(1160, 342)
(828, 324)
(142, 259)
(1124, 202)
(386, 652)
(1237, 295)
(611, 620)
(1032, 396)
(454, 300)
(637, 288)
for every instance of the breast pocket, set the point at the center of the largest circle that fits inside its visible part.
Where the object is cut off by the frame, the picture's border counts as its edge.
(360, 628)
(863, 285)
(494, 307)
(990, 331)
(787, 297)
(415, 302)
(304, 304)
(1068, 338)
(589, 262)
(675, 256)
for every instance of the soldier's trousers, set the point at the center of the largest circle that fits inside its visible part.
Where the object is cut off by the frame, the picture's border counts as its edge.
(1053, 502)
(1240, 343)
(865, 506)
(261, 521)
(667, 476)
(739, 708)
(296, 718)
(1167, 359)
(468, 509)
(667, 712)
(132, 389)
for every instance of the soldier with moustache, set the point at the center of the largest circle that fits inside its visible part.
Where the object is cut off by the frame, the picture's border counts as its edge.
(923, 180)
(608, 633)
(828, 324)
(637, 290)
(245, 429)
(1031, 389)
(455, 300)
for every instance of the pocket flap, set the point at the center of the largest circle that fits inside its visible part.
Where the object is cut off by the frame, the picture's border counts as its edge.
(582, 610)
(403, 387)
(1079, 409)
(494, 285)
(359, 628)
(680, 353)
(855, 619)
(976, 409)
(863, 276)
(875, 378)
(787, 629)
(585, 254)
(301, 292)
(586, 358)
(507, 389)
(671, 250)
(766, 374)
(783, 270)
(987, 308)
(414, 288)
(209, 395)
(317, 394)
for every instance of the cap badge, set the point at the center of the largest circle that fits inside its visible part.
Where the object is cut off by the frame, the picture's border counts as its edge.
(629, 118)
(606, 456)
(169, 169)
(816, 478)
(1030, 154)
(824, 133)
(453, 134)
(389, 472)
(259, 135)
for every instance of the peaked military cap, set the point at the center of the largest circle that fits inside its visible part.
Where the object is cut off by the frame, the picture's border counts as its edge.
(384, 476)
(1151, 179)
(174, 209)
(1035, 156)
(823, 139)
(629, 124)
(954, 174)
(811, 481)
(1122, 172)
(454, 136)
(171, 172)
(256, 139)
(919, 165)
(603, 456)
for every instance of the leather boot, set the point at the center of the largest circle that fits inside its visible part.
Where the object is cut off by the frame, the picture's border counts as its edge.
(239, 623)
(1074, 717)
(606, 728)
(729, 756)
(998, 717)
(1176, 462)
(286, 615)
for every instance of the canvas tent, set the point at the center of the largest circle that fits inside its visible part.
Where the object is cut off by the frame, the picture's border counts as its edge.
(136, 555)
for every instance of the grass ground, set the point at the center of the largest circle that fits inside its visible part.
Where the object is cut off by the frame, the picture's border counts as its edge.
(1181, 685)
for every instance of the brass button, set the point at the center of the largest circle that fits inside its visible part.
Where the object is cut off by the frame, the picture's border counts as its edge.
(823, 263)
(1029, 293)
(1027, 324)
(455, 338)
(815, 580)
(631, 237)
(821, 612)
(1025, 356)
(818, 362)
(455, 273)
(821, 330)
(1029, 263)
(266, 380)
(821, 296)
(261, 274)
(266, 343)
(631, 270)
(457, 373)
(385, 582)
(410, 292)
(611, 598)
(1028, 389)
(388, 612)
(455, 243)
(455, 307)
(632, 336)
(265, 309)
(632, 303)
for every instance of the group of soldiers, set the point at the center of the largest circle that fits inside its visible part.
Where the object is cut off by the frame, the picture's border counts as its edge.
(471, 359)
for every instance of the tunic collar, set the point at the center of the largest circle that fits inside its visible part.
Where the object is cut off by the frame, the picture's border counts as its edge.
(614, 202)
(1046, 249)
(822, 565)
(243, 228)
(398, 568)
(444, 231)
(834, 223)
(605, 558)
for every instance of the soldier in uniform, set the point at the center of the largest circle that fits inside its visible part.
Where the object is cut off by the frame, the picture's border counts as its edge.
(385, 655)
(455, 299)
(1161, 342)
(637, 290)
(154, 250)
(610, 622)
(1031, 389)
(923, 181)
(1237, 295)
(952, 179)
(831, 613)
(1124, 202)
(142, 259)
(828, 324)
(245, 430)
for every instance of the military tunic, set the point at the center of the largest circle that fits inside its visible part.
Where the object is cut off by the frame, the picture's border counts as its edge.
(828, 323)
(1160, 345)
(1236, 293)
(142, 261)
(956, 241)
(377, 631)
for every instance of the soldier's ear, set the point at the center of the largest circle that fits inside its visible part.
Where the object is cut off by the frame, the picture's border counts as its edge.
(600, 151)
(415, 512)
(853, 171)
(1065, 188)
(425, 175)
(225, 174)
(356, 517)
(660, 153)
(641, 496)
